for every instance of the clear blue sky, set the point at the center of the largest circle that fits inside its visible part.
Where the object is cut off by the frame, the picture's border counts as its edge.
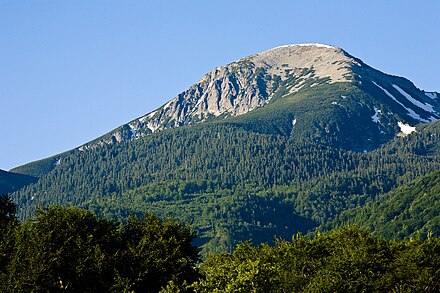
(71, 71)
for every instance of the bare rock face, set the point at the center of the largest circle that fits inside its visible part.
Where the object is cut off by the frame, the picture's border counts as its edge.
(251, 82)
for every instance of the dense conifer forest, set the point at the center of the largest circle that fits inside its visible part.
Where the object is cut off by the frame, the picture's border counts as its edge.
(251, 185)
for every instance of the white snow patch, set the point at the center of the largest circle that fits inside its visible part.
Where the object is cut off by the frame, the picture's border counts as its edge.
(410, 111)
(406, 128)
(375, 117)
(431, 95)
(423, 106)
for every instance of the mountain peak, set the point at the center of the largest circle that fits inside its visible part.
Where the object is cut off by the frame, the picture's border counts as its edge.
(327, 61)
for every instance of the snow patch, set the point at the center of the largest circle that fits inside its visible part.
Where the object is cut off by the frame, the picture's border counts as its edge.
(423, 106)
(411, 113)
(406, 128)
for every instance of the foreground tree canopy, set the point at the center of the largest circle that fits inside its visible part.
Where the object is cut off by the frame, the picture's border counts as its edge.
(345, 260)
(69, 249)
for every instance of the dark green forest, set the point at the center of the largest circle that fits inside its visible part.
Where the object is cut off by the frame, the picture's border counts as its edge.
(251, 185)
(67, 249)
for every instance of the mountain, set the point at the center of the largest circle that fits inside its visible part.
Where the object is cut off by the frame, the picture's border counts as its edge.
(10, 182)
(275, 143)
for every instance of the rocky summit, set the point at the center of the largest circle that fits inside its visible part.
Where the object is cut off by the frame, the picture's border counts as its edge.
(396, 105)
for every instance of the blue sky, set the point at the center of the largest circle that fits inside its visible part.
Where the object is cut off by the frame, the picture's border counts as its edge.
(71, 71)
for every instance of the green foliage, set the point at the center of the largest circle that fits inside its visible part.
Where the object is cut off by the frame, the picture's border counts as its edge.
(63, 249)
(346, 260)
(69, 249)
(157, 253)
(8, 211)
(8, 224)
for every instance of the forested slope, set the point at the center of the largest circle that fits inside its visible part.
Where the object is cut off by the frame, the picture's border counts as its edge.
(231, 183)
(411, 210)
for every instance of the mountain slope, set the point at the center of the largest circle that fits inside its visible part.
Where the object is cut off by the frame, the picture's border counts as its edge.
(10, 182)
(231, 183)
